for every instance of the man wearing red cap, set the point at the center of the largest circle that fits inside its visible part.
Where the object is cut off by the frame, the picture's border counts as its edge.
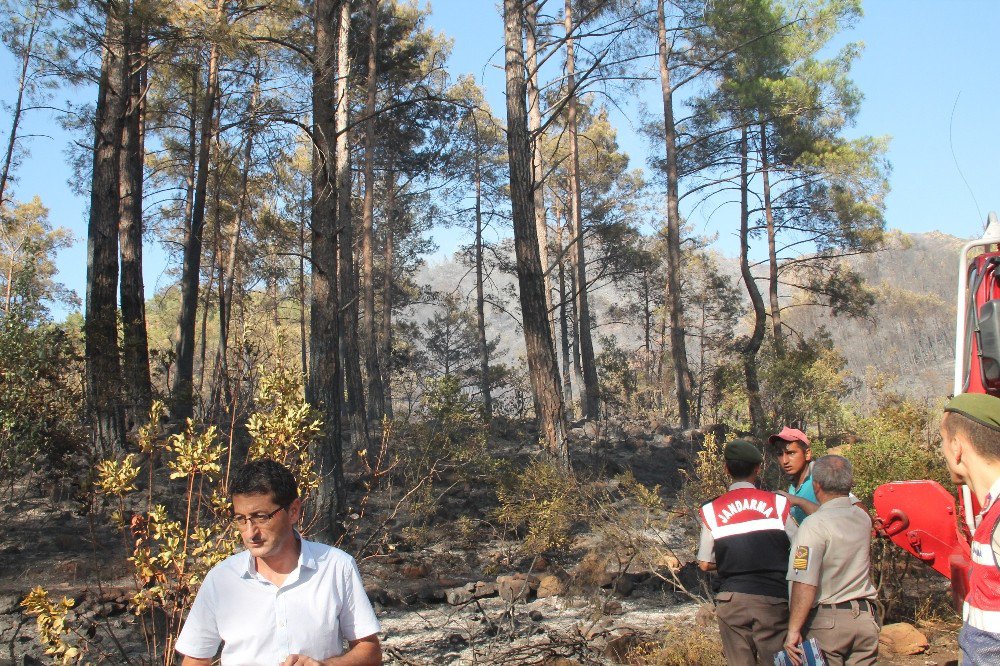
(795, 458)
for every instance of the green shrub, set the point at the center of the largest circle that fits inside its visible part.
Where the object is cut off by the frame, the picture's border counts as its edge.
(41, 394)
(542, 503)
(707, 480)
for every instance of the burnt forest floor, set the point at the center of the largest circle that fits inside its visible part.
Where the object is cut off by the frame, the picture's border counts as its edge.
(446, 596)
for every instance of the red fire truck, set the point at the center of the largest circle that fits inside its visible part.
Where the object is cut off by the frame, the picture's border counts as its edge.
(921, 516)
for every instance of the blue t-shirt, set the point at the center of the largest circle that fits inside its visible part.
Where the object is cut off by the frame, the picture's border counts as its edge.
(805, 491)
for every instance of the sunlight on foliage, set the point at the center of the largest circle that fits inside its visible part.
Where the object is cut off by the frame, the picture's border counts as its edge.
(194, 452)
(172, 544)
(52, 627)
(286, 427)
(708, 480)
(117, 478)
(543, 502)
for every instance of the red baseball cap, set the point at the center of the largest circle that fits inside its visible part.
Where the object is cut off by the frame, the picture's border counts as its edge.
(789, 435)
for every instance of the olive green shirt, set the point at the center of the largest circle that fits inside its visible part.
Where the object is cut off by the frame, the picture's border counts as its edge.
(831, 551)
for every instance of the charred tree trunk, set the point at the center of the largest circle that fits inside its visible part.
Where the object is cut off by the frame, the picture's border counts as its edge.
(303, 330)
(567, 366)
(388, 262)
(675, 305)
(103, 363)
(534, 128)
(323, 388)
(772, 253)
(484, 348)
(135, 344)
(214, 270)
(537, 336)
(752, 344)
(182, 391)
(356, 414)
(369, 338)
(591, 399)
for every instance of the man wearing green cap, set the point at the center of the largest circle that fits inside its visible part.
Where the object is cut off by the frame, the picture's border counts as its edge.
(970, 442)
(745, 536)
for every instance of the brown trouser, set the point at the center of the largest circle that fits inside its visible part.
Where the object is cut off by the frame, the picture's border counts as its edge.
(753, 627)
(847, 636)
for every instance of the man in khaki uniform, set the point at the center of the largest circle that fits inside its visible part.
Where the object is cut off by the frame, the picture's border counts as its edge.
(832, 596)
(745, 537)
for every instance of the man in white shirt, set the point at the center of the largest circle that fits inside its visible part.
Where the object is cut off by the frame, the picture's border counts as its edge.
(284, 600)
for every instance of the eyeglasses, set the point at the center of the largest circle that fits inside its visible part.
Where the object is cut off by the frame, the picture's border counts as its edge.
(256, 519)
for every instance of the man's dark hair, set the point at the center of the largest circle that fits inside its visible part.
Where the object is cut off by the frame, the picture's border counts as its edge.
(782, 444)
(740, 469)
(984, 439)
(265, 477)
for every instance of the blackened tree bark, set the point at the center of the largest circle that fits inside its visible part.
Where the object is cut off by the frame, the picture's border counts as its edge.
(369, 340)
(135, 343)
(542, 365)
(484, 348)
(182, 391)
(534, 128)
(323, 388)
(388, 262)
(350, 347)
(752, 345)
(591, 401)
(304, 210)
(675, 304)
(567, 367)
(103, 362)
(772, 253)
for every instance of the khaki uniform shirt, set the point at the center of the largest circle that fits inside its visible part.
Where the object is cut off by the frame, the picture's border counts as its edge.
(831, 551)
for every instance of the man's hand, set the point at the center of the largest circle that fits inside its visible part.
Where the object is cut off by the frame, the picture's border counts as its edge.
(792, 642)
(300, 660)
(365, 651)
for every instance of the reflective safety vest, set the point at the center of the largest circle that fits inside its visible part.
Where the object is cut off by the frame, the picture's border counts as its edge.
(982, 605)
(751, 546)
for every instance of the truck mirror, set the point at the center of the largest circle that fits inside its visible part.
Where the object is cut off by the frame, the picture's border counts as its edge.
(989, 340)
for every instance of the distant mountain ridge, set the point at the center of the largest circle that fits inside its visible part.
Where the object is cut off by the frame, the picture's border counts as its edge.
(910, 333)
(908, 337)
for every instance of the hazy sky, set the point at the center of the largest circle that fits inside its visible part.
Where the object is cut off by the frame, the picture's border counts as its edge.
(928, 73)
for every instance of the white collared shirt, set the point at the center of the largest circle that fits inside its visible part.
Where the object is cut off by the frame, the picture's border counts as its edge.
(321, 604)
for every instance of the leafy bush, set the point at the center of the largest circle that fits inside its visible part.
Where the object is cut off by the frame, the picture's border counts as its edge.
(898, 441)
(684, 645)
(805, 383)
(175, 533)
(618, 378)
(285, 427)
(451, 438)
(41, 394)
(542, 502)
(707, 480)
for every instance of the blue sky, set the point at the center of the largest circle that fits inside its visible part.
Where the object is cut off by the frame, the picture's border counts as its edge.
(928, 73)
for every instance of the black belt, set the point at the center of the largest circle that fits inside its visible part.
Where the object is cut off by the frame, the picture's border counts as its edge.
(863, 604)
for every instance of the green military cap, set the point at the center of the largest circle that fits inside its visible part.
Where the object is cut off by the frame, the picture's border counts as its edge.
(979, 407)
(743, 451)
